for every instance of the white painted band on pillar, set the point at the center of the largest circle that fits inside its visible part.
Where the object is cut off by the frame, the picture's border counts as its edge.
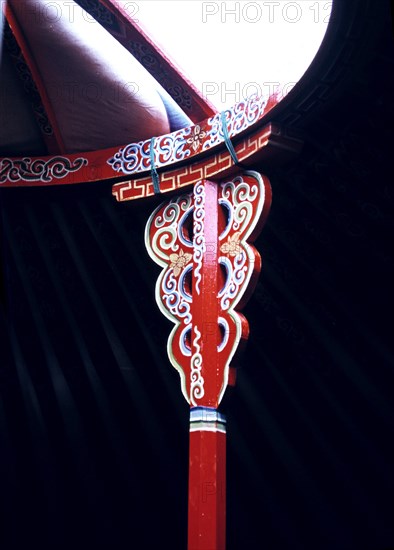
(207, 419)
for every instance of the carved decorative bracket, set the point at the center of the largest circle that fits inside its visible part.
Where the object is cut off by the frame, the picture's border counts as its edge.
(202, 242)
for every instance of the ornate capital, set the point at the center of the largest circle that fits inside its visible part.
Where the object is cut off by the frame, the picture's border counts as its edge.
(202, 242)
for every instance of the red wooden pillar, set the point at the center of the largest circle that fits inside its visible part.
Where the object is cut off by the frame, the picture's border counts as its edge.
(207, 455)
(207, 480)
(202, 241)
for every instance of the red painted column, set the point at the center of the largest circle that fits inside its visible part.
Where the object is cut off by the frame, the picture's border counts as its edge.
(208, 272)
(207, 455)
(207, 480)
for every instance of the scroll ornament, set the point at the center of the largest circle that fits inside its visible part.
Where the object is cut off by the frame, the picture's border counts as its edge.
(202, 242)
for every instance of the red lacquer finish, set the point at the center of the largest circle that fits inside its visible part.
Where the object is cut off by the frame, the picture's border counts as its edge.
(207, 368)
(202, 241)
(207, 491)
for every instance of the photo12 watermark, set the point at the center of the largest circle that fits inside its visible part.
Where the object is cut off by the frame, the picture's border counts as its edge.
(54, 11)
(70, 92)
(235, 92)
(266, 11)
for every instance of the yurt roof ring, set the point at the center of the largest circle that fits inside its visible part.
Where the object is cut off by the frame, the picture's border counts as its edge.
(182, 152)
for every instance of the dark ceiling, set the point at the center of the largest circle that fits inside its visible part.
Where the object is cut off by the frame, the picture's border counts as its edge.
(93, 425)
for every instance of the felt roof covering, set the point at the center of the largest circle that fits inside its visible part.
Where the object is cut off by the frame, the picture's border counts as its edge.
(93, 425)
(70, 84)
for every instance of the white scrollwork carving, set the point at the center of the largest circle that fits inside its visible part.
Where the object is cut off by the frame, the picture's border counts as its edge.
(164, 239)
(196, 379)
(177, 146)
(198, 233)
(28, 169)
(242, 197)
(173, 297)
(244, 202)
(236, 276)
(166, 242)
